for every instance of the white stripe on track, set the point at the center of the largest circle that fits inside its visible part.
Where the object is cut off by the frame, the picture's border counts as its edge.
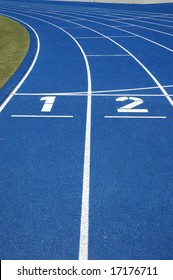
(99, 92)
(135, 117)
(107, 55)
(40, 116)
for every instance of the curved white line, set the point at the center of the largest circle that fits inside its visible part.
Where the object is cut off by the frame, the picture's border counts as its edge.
(30, 68)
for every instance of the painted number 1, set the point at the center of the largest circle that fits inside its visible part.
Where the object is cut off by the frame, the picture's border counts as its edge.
(48, 104)
(131, 107)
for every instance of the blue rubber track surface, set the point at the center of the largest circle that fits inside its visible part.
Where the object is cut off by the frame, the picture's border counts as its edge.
(86, 135)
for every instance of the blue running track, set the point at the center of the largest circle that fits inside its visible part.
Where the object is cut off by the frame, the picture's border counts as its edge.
(86, 132)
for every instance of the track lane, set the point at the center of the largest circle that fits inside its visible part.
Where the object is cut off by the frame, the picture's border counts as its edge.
(51, 213)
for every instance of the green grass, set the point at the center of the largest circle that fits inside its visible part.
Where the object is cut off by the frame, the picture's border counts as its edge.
(14, 44)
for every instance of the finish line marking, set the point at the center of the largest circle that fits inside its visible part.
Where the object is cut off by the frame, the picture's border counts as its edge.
(96, 92)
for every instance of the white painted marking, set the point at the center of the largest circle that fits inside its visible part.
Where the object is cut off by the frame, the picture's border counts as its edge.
(89, 37)
(29, 70)
(84, 227)
(168, 86)
(123, 110)
(101, 91)
(103, 55)
(97, 94)
(130, 108)
(52, 93)
(49, 101)
(123, 36)
(101, 37)
(40, 116)
(135, 117)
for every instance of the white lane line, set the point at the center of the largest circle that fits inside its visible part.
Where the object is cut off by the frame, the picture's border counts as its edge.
(106, 55)
(89, 37)
(97, 92)
(40, 116)
(84, 226)
(127, 94)
(168, 86)
(29, 70)
(100, 37)
(53, 93)
(93, 94)
(135, 117)
(122, 36)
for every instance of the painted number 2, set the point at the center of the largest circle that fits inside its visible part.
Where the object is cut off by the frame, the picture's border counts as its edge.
(131, 107)
(48, 104)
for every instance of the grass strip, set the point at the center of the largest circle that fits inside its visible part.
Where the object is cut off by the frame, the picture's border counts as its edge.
(14, 45)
